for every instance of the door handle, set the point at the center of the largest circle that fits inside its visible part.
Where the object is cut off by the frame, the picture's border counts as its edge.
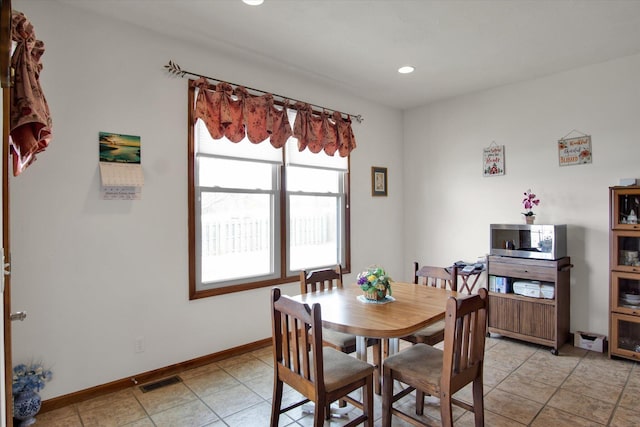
(19, 315)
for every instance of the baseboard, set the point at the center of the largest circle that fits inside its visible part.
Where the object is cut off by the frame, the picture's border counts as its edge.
(144, 377)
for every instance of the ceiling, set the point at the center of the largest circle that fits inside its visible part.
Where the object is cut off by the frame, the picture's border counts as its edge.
(457, 47)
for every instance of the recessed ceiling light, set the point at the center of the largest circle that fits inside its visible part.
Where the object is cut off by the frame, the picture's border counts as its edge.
(253, 2)
(406, 69)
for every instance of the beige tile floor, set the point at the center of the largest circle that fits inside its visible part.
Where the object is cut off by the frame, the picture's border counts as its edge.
(524, 385)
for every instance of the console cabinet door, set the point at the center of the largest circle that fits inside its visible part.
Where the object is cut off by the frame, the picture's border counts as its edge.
(625, 293)
(625, 336)
(625, 208)
(625, 247)
(537, 320)
(503, 313)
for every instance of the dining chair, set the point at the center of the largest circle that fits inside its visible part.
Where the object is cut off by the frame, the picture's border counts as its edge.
(445, 278)
(321, 374)
(441, 373)
(438, 277)
(327, 279)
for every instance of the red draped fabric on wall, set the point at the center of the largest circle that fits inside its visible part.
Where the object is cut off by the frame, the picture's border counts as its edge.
(233, 112)
(29, 116)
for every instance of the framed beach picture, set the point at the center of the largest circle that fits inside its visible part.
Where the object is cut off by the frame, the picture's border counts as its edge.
(117, 148)
(378, 181)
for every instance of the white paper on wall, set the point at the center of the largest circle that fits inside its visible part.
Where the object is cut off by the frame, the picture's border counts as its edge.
(121, 181)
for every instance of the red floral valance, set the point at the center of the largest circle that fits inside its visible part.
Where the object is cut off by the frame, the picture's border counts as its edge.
(234, 113)
(30, 120)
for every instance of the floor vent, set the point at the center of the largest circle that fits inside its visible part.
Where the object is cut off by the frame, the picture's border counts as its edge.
(159, 384)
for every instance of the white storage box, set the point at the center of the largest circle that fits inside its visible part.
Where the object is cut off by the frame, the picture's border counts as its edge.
(628, 181)
(589, 341)
(534, 289)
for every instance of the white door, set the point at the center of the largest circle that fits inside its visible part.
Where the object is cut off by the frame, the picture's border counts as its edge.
(5, 360)
(5, 304)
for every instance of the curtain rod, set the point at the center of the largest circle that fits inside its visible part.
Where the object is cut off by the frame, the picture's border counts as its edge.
(175, 70)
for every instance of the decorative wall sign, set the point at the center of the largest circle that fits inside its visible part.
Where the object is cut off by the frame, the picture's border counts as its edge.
(378, 181)
(574, 151)
(493, 160)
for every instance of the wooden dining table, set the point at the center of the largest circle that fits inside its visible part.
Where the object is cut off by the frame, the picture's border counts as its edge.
(411, 308)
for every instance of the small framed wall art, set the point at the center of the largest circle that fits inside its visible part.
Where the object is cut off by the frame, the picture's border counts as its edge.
(378, 181)
(493, 160)
(574, 151)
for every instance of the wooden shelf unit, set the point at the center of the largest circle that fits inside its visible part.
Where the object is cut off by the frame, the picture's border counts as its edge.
(624, 274)
(536, 320)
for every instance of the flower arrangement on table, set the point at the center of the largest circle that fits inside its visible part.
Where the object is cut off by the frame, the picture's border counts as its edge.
(529, 202)
(31, 377)
(375, 283)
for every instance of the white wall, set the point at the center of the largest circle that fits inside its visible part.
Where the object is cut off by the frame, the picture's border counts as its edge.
(95, 274)
(449, 204)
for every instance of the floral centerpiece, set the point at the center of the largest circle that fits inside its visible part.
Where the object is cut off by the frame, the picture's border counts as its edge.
(375, 283)
(28, 380)
(31, 377)
(529, 202)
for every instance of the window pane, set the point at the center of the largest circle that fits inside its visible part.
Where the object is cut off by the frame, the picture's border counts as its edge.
(237, 236)
(313, 232)
(313, 180)
(244, 149)
(228, 173)
(306, 157)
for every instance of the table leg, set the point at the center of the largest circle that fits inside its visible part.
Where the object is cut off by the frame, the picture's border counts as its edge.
(361, 354)
(394, 346)
(361, 348)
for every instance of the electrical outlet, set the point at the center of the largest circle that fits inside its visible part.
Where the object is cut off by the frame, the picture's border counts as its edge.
(138, 345)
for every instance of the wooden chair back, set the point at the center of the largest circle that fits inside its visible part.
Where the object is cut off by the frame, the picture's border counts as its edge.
(441, 373)
(297, 343)
(323, 280)
(299, 359)
(320, 280)
(436, 276)
(464, 340)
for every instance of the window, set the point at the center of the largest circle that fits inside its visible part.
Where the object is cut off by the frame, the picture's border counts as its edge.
(258, 215)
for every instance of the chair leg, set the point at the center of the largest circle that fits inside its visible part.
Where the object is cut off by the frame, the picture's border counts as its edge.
(367, 401)
(327, 411)
(387, 397)
(446, 414)
(419, 402)
(478, 402)
(276, 402)
(321, 410)
(377, 361)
